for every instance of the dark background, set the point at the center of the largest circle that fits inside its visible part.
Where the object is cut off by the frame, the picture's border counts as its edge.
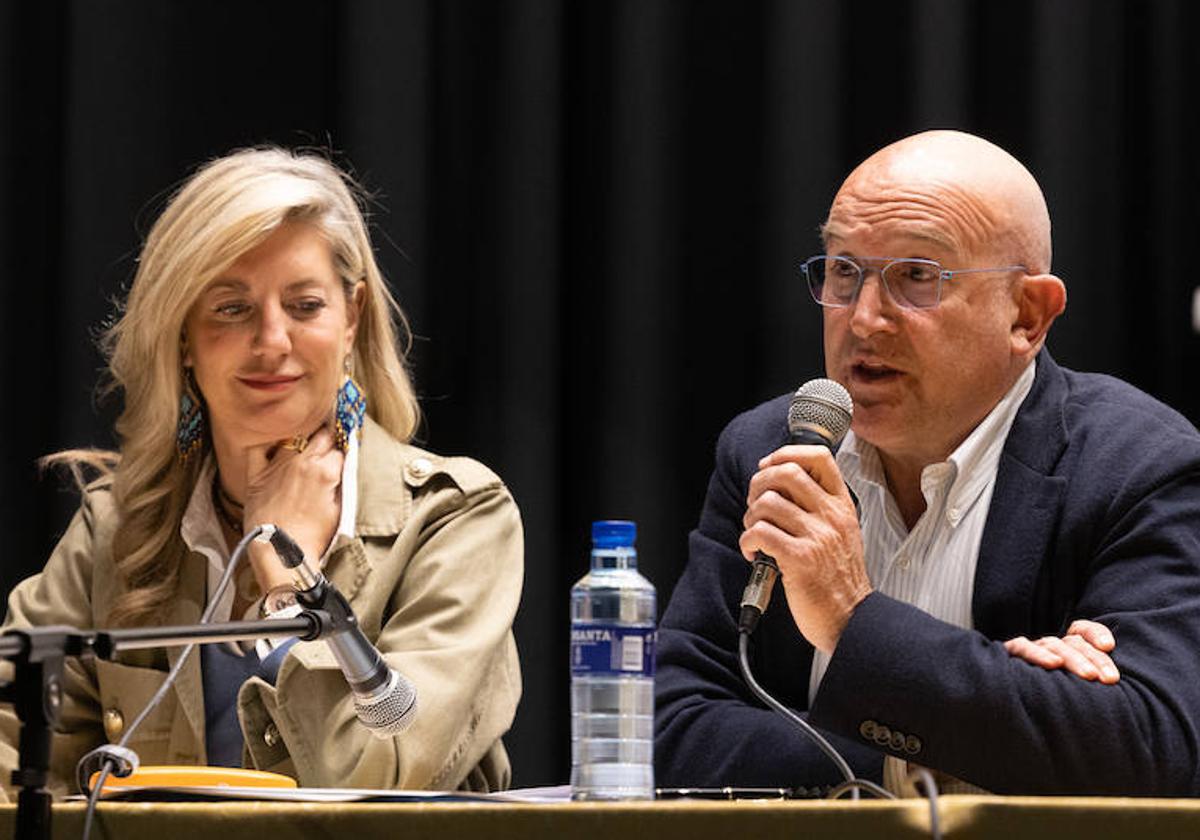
(592, 212)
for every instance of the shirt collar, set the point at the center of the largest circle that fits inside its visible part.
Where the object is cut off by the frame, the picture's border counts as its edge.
(964, 475)
(977, 458)
(199, 528)
(345, 529)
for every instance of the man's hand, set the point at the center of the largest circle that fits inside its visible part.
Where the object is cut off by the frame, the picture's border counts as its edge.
(800, 512)
(1083, 651)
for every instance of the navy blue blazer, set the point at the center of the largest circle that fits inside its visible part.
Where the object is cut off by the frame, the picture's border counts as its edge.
(1095, 514)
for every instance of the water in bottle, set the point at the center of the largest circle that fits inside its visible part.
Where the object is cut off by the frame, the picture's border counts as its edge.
(613, 612)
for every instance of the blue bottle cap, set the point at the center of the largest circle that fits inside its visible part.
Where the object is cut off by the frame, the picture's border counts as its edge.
(613, 533)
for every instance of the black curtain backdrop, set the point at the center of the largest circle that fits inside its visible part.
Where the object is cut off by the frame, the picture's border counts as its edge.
(592, 211)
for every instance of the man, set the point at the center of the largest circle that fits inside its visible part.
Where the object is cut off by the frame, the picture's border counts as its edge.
(1002, 498)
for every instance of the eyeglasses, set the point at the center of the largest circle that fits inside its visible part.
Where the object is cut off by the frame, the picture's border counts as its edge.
(911, 283)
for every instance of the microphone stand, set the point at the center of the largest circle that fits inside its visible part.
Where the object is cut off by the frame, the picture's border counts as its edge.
(36, 694)
(36, 691)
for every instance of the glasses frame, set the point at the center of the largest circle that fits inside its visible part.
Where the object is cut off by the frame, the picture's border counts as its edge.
(866, 264)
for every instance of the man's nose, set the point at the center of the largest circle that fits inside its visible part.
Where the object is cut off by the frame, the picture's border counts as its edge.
(872, 308)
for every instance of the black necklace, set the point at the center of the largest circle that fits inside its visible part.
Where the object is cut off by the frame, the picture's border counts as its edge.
(222, 501)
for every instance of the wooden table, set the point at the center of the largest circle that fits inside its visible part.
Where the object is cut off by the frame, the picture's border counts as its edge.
(994, 818)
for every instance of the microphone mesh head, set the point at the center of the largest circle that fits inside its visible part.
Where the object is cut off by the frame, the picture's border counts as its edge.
(823, 403)
(391, 711)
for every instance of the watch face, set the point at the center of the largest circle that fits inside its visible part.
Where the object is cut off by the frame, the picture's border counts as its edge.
(279, 599)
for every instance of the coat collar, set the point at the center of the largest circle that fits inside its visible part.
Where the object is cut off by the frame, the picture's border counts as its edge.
(384, 500)
(1025, 508)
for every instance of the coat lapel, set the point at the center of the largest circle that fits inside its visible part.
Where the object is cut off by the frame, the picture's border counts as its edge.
(1026, 504)
(384, 503)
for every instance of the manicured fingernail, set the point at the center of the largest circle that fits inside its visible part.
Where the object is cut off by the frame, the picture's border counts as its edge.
(1109, 671)
(1107, 640)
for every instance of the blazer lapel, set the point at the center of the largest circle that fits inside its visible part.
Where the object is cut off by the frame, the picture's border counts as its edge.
(384, 504)
(1026, 502)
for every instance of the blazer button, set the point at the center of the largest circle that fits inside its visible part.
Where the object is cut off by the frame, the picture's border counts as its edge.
(897, 741)
(114, 723)
(419, 469)
(867, 729)
(883, 735)
(912, 745)
(271, 735)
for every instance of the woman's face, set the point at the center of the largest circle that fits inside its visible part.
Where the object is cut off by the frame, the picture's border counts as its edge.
(268, 337)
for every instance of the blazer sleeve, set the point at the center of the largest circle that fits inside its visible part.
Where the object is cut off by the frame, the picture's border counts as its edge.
(710, 730)
(452, 580)
(1127, 552)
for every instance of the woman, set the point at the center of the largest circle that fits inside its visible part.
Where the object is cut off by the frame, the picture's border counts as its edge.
(256, 324)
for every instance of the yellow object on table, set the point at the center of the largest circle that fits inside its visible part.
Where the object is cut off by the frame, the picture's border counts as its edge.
(182, 775)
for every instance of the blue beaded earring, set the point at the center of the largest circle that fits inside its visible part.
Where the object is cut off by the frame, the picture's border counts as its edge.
(189, 434)
(351, 409)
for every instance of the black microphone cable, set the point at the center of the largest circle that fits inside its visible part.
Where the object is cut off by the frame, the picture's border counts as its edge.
(820, 414)
(851, 783)
(119, 758)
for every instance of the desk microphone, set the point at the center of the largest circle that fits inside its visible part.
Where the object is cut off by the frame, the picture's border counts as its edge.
(819, 415)
(385, 701)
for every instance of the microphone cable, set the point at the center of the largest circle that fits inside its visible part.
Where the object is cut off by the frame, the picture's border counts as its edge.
(930, 794)
(852, 784)
(121, 759)
(820, 413)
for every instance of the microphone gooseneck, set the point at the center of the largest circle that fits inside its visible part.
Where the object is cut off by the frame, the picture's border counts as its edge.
(818, 415)
(384, 700)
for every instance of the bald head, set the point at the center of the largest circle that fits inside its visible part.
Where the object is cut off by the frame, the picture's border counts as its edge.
(990, 199)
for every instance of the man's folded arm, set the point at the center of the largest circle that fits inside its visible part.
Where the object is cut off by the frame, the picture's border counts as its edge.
(1011, 727)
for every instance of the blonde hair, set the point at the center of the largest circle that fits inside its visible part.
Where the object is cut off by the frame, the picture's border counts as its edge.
(227, 208)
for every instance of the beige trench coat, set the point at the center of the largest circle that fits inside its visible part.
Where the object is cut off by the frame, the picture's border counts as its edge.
(434, 576)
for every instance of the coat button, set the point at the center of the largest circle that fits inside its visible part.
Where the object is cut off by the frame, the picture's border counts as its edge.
(897, 741)
(114, 723)
(271, 735)
(419, 469)
(882, 735)
(867, 729)
(912, 745)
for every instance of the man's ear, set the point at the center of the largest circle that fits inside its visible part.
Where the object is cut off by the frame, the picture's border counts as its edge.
(1040, 298)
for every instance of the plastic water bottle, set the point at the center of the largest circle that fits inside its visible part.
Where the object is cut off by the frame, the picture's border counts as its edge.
(613, 611)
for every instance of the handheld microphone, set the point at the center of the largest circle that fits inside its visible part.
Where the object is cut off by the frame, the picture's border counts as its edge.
(384, 700)
(819, 415)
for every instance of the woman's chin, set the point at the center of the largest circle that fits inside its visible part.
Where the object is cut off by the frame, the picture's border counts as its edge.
(243, 437)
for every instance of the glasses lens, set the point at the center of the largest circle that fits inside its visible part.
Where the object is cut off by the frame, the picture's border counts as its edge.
(833, 281)
(915, 283)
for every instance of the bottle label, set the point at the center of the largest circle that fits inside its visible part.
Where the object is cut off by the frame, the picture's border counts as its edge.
(612, 650)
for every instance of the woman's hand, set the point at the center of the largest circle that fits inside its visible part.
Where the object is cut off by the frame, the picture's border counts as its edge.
(1083, 651)
(299, 492)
